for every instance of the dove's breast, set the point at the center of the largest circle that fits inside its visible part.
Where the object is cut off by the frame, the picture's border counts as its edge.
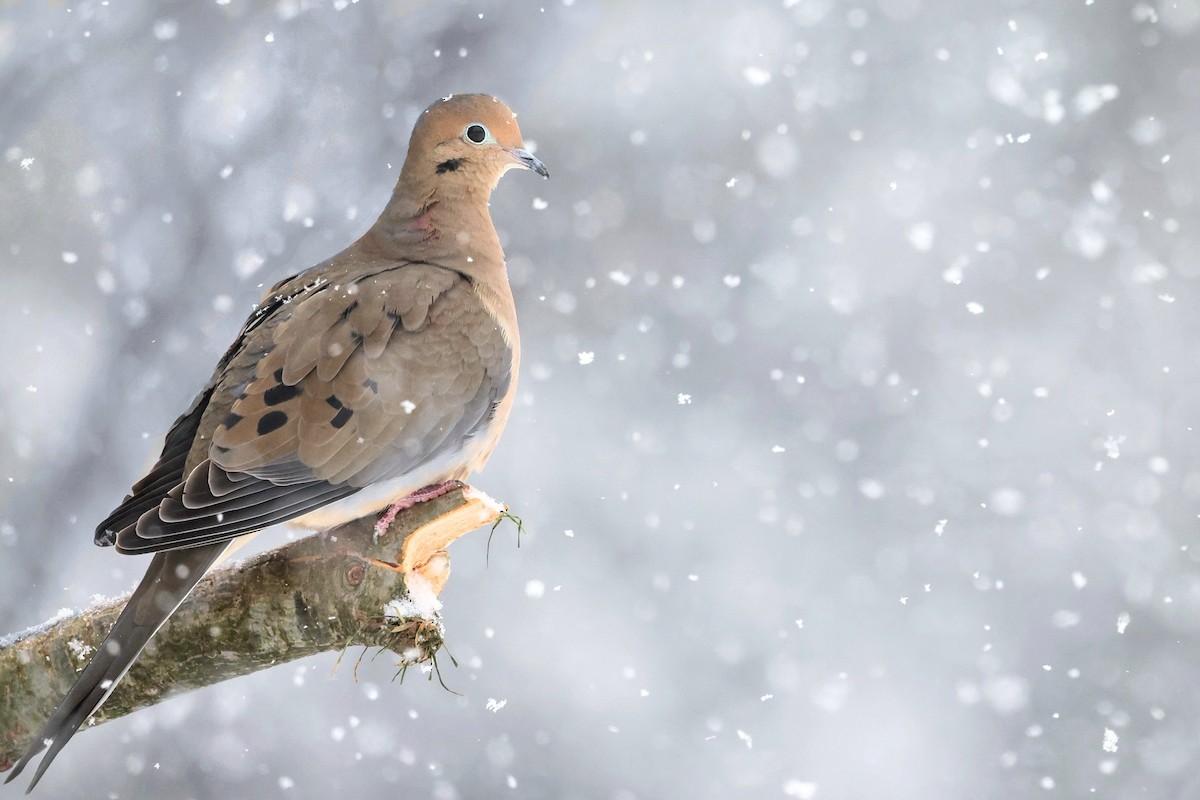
(455, 465)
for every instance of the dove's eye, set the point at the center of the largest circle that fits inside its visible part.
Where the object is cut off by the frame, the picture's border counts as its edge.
(476, 134)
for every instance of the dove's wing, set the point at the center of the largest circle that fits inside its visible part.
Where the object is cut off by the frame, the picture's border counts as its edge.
(355, 382)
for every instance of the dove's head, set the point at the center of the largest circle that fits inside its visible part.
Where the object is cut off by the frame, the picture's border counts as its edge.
(465, 142)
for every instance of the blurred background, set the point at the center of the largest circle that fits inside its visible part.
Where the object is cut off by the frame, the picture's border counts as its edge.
(857, 435)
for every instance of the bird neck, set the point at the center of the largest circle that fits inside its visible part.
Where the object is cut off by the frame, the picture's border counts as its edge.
(437, 222)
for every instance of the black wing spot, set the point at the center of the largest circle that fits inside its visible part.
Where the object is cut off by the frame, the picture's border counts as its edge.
(279, 375)
(347, 311)
(449, 166)
(341, 418)
(333, 401)
(231, 420)
(280, 393)
(372, 385)
(271, 421)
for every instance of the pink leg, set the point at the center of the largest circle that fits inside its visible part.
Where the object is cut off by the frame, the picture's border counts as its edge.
(419, 496)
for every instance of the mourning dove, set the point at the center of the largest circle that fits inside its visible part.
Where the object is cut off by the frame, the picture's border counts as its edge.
(385, 369)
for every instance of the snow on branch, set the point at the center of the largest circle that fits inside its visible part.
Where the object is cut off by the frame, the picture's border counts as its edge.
(325, 592)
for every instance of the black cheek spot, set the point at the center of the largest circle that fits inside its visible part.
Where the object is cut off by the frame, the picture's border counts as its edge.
(341, 418)
(231, 420)
(280, 393)
(271, 421)
(449, 166)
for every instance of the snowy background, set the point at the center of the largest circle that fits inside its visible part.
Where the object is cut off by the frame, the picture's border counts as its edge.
(857, 431)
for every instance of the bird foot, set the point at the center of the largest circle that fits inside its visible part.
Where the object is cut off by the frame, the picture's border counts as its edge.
(419, 496)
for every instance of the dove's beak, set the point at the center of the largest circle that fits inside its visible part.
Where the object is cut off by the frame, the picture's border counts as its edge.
(528, 160)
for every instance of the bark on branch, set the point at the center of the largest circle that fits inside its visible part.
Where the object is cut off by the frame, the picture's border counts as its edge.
(324, 592)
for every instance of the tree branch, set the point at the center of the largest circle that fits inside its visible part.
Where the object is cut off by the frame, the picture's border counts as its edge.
(320, 593)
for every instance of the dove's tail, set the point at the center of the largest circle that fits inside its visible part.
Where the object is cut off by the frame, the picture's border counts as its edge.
(171, 575)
